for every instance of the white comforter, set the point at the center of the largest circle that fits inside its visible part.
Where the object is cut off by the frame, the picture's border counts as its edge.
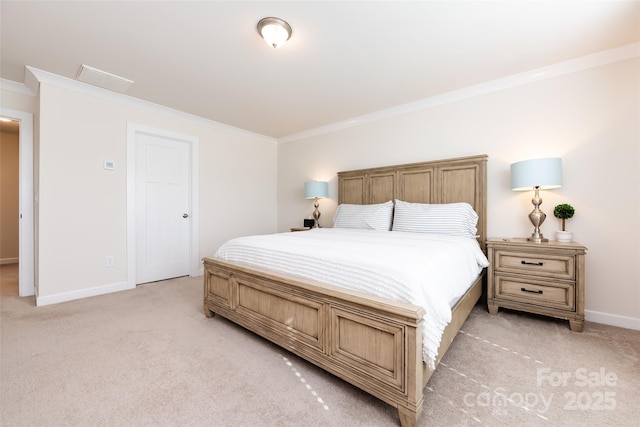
(429, 270)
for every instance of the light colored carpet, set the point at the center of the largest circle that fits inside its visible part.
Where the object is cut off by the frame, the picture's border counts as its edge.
(149, 357)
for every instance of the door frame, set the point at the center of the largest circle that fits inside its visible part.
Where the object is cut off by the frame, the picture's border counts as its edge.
(133, 130)
(26, 196)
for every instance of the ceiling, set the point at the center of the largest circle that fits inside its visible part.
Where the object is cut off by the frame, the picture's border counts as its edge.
(344, 59)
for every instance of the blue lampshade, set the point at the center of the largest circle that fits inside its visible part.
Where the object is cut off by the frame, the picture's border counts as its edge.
(544, 173)
(313, 189)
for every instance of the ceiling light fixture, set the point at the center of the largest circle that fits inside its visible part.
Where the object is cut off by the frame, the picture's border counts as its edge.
(274, 31)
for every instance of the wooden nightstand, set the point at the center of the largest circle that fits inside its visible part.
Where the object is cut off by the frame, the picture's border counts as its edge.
(544, 278)
(300, 228)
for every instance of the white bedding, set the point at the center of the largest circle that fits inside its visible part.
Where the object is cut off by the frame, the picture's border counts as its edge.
(432, 271)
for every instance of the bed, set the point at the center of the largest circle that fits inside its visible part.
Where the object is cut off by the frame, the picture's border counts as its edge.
(372, 342)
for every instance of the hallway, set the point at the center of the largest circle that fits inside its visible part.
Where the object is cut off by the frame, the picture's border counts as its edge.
(9, 280)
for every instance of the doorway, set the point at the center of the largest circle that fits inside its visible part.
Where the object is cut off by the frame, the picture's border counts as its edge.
(162, 205)
(9, 206)
(26, 234)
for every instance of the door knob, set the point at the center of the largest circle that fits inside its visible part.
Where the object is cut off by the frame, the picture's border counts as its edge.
(185, 215)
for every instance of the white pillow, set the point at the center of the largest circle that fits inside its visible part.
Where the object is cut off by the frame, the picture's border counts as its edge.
(369, 217)
(454, 219)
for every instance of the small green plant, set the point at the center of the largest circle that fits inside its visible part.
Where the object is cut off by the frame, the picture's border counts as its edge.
(563, 212)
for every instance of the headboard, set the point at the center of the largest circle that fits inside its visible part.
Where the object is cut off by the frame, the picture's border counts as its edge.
(462, 179)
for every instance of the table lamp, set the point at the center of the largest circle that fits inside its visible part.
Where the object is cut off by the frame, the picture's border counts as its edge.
(316, 190)
(536, 174)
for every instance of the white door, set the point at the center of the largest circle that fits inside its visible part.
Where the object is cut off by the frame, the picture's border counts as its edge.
(162, 206)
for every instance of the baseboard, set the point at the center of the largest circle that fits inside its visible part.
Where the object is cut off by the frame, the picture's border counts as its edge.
(82, 293)
(4, 261)
(612, 319)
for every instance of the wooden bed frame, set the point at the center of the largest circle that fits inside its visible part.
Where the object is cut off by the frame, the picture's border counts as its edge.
(371, 342)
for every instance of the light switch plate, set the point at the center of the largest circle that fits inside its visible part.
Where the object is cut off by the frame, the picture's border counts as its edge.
(109, 165)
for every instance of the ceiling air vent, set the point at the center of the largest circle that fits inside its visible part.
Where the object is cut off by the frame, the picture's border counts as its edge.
(103, 79)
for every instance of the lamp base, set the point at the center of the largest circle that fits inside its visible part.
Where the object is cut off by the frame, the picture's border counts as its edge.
(316, 214)
(537, 217)
(537, 238)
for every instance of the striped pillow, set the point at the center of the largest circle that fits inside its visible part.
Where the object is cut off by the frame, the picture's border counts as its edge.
(368, 217)
(454, 219)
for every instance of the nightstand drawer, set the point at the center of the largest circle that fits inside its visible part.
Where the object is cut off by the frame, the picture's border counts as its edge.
(543, 265)
(525, 290)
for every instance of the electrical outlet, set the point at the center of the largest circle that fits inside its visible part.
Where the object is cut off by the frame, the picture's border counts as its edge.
(109, 262)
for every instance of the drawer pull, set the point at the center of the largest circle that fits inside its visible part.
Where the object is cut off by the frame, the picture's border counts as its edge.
(539, 264)
(533, 292)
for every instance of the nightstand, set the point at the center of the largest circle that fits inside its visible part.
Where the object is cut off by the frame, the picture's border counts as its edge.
(300, 228)
(543, 278)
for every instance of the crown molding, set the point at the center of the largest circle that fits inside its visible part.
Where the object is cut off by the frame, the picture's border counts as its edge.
(35, 76)
(586, 62)
(11, 86)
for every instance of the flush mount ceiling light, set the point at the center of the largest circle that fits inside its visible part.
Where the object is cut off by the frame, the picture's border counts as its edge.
(274, 31)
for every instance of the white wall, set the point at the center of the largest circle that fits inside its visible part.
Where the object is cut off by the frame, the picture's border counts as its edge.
(591, 119)
(82, 207)
(17, 97)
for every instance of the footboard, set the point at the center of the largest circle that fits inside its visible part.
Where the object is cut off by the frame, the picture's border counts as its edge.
(370, 342)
